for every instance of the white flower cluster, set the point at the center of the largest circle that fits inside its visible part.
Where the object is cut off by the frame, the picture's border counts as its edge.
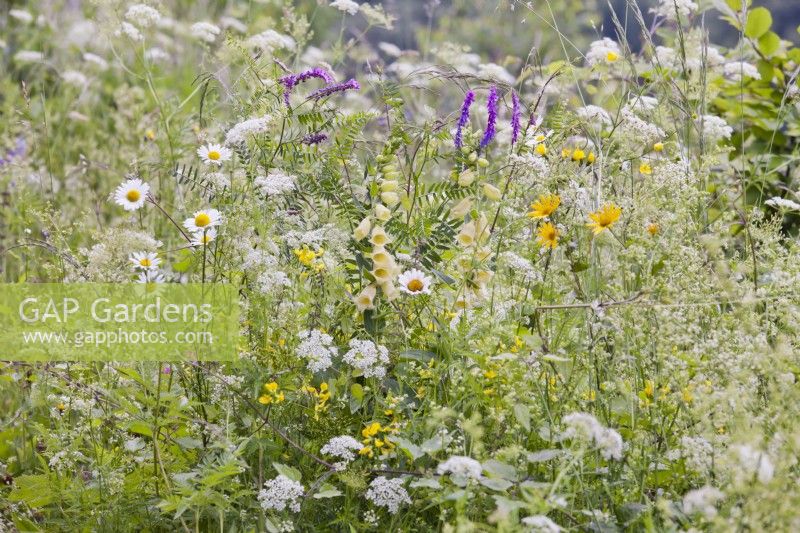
(270, 40)
(698, 55)
(703, 501)
(368, 357)
(594, 115)
(737, 70)
(281, 493)
(783, 203)
(714, 128)
(603, 51)
(521, 267)
(460, 468)
(247, 128)
(276, 182)
(669, 8)
(205, 31)
(533, 167)
(130, 31)
(585, 427)
(142, 15)
(346, 6)
(540, 524)
(343, 447)
(317, 348)
(696, 452)
(753, 464)
(634, 129)
(388, 493)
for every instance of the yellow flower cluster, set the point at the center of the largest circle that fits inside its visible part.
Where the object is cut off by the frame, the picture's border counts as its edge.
(376, 439)
(310, 258)
(321, 397)
(270, 393)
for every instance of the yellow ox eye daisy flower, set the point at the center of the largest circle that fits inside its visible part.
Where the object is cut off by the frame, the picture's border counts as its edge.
(545, 206)
(547, 236)
(604, 218)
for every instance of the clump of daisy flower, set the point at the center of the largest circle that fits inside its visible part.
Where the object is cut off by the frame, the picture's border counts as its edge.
(344, 447)
(203, 220)
(370, 358)
(603, 51)
(317, 348)
(415, 282)
(214, 154)
(388, 493)
(281, 493)
(131, 194)
(204, 237)
(145, 260)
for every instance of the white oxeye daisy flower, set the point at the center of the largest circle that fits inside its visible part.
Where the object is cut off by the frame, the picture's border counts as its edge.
(204, 238)
(414, 282)
(131, 194)
(151, 276)
(214, 154)
(203, 220)
(145, 260)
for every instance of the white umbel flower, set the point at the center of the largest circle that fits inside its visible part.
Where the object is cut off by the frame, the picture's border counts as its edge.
(415, 282)
(671, 9)
(246, 129)
(737, 70)
(142, 15)
(388, 493)
(281, 493)
(205, 31)
(462, 467)
(203, 220)
(783, 203)
(714, 128)
(132, 194)
(214, 154)
(368, 357)
(585, 427)
(347, 6)
(145, 260)
(276, 182)
(703, 501)
(344, 447)
(317, 348)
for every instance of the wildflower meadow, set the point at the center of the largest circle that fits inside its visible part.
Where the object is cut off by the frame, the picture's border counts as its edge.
(489, 265)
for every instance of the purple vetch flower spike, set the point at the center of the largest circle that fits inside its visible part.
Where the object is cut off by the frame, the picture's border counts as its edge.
(464, 118)
(314, 138)
(290, 81)
(491, 123)
(335, 88)
(18, 151)
(515, 115)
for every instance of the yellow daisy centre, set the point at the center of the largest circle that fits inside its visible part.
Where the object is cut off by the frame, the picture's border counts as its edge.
(133, 195)
(415, 285)
(145, 262)
(612, 56)
(214, 155)
(202, 220)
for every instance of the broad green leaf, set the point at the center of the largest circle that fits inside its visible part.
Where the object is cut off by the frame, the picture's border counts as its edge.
(288, 471)
(34, 491)
(769, 43)
(523, 414)
(759, 21)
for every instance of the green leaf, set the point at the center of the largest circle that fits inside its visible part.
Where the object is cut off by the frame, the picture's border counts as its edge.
(736, 5)
(33, 490)
(769, 43)
(327, 491)
(523, 415)
(142, 428)
(357, 391)
(759, 21)
(411, 449)
(417, 355)
(288, 471)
